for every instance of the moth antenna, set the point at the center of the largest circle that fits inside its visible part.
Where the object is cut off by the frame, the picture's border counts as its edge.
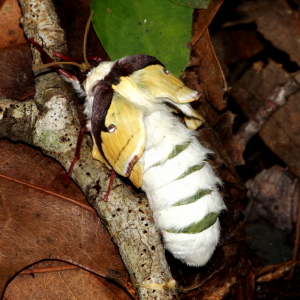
(85, 39)
(85, 65)
(58, 63)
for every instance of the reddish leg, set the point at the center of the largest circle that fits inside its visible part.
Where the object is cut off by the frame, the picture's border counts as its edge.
(82, 131)
(63, 57)
(67, 58)
(46, 59)
(111, 181)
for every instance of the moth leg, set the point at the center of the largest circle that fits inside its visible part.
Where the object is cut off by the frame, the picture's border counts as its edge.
(46, 59)
(82, 131)
(97, 59)
(64, 57)
(111, 181)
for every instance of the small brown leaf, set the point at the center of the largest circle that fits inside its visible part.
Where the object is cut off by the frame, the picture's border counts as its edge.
(282, 133)
(256, 85)
(203, 18)
(235, 45)
(280, 25)
(15, 73)
(212, 82)
(11, 32)
(275, 196)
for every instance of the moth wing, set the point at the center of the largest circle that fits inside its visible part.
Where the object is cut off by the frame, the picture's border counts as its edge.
(124, 142)
(163, 84)
(136, 175)
(194, 120)
(98, 156)
(178, 94)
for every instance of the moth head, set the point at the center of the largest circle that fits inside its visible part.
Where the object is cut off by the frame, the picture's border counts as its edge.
(97, 75)
(109, 74)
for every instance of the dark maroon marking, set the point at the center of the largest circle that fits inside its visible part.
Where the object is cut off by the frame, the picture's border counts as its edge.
(133, 63)
(131, 164)
(127, 65)
(102, 99)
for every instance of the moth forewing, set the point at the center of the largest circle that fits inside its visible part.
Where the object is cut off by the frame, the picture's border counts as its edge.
(124, 145)
(136, 175)
(159, 84)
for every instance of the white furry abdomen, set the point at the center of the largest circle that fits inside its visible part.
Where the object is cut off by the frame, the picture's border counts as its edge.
(165, 183)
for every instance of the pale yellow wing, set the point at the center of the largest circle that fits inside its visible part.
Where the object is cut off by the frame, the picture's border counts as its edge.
(124, 142)
(160, 84)
(97, 155)
(193, 120)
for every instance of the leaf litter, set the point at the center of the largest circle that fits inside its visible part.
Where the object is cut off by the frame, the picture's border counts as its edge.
(258, 56)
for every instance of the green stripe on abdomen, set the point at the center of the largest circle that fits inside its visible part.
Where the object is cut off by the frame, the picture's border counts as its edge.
(199, 194)
(176, 150)
(190, 170)
(209, 220)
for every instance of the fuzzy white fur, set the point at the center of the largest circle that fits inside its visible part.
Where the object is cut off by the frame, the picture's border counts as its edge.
(160, 176)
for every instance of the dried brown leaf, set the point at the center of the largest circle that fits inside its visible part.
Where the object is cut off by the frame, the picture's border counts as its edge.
(15, 73)
(232, 143)
(274, 197)
(40, 220)
(280, 25)
(203, 18)
(235, 45)
(210, 78)
(282, 133)
(276, 20)
(11, 32)
(64, 284)
(256, 85)
(229, 279)
(248, 12)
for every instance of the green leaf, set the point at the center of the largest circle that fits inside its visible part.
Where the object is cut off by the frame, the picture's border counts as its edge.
(155, 27)
(193, 3)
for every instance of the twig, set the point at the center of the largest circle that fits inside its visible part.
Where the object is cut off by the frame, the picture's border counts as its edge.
(53, 127)
(274, 101)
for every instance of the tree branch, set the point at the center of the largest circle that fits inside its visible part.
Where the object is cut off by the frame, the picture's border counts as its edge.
(51, 123)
